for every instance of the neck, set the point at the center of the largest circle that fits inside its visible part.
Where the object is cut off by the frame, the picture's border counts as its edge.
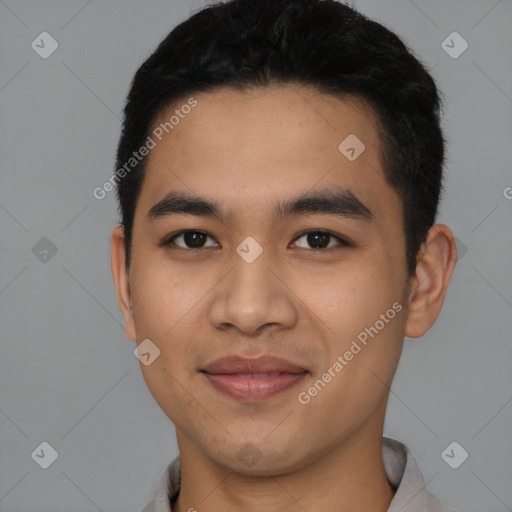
(348, 477)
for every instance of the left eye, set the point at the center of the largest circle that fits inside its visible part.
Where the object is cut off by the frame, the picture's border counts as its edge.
(321, 239)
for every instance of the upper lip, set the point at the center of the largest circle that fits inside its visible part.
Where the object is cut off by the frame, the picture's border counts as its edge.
(243, 365)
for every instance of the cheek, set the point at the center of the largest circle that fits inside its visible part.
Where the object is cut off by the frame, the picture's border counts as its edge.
(166, 386)
(166, 311)
(159, 298)
(363, 311)
(347, 302)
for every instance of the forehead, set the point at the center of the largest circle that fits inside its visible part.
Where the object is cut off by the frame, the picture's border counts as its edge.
(295, 119)
(249, 147)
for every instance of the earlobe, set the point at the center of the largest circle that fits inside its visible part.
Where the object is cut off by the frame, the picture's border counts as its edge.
(437, 259)
(121, 280)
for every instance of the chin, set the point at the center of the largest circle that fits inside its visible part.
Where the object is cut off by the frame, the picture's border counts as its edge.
(260, 459)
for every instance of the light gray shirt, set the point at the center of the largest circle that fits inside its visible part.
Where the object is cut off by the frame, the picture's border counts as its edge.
(400, 465)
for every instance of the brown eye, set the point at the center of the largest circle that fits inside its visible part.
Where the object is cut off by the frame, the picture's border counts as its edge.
(191, 239)
(320, 239)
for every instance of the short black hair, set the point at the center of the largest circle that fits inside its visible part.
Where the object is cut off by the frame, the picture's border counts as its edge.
(325, 44)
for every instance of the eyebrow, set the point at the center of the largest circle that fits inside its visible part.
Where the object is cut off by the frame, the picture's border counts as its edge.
(328, 201)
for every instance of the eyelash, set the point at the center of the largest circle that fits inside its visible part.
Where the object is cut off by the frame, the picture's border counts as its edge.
(342, 242)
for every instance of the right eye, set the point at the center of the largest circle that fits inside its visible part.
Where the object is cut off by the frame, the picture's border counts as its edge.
(192, 240)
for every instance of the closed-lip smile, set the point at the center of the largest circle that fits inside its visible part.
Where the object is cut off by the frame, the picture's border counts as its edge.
(252, 379)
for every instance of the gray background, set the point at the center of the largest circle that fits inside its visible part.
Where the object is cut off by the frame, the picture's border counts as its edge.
(68, 375)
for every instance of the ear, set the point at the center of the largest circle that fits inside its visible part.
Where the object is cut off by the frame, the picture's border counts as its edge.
(436, 261)
(121, 279)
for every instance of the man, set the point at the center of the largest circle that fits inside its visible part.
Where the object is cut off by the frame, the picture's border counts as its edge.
(279, 173)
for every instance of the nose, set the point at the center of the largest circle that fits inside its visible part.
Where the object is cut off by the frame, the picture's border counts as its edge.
(252, 296)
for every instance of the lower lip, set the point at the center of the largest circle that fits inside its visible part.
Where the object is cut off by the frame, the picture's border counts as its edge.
(253, 388)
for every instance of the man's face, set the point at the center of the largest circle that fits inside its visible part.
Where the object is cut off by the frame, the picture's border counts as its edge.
(305, 299)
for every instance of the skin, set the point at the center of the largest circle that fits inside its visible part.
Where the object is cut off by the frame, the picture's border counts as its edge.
(247, 150)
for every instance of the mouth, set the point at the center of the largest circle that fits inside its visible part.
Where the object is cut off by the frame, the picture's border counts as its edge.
(253, 380)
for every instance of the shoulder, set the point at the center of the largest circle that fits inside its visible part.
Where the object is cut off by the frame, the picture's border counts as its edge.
(403, 472)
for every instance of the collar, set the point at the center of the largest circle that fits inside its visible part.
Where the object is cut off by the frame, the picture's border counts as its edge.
(400, 466)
